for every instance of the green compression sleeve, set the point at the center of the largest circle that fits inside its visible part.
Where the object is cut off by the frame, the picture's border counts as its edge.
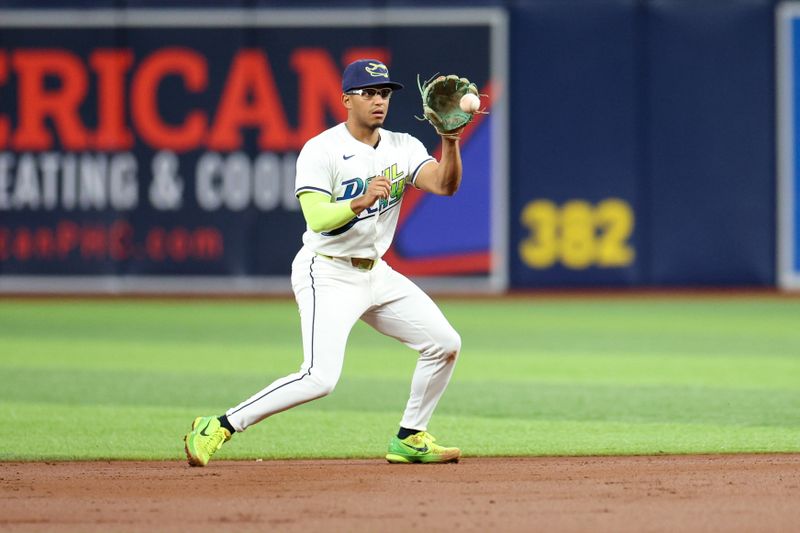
(321, 214)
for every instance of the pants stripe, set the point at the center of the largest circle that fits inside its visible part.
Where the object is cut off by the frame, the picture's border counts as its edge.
(313, 318)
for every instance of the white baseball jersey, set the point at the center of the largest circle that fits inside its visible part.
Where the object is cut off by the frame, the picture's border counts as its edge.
(333, 294)
(335, 163)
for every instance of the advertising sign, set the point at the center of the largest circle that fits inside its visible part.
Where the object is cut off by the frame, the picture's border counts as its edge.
(154, 150)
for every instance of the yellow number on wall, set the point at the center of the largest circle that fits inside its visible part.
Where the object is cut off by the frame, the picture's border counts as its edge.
(615, 221)
(578, 234)
(540, 250)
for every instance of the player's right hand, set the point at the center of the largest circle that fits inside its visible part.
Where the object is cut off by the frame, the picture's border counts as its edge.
(378, 187)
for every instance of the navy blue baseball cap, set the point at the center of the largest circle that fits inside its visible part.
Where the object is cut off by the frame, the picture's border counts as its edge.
(367, 73)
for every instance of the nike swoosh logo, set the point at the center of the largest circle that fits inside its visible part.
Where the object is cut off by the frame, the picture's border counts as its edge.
(346, 157)
(203, 431)
(420, 450)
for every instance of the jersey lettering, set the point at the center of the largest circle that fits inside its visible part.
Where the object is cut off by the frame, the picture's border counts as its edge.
(352, 189)
(356, 187)
(337, 162)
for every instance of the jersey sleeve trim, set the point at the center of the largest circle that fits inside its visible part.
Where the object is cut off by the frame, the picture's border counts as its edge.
(416, 170)
(306, 189)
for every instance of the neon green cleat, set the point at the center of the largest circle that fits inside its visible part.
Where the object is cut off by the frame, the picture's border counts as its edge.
(205, 438)
(420, 448)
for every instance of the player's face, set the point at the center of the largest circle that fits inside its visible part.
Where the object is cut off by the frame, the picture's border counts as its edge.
(370, 107)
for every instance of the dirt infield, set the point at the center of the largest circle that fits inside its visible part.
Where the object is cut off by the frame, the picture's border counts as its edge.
(665, 493)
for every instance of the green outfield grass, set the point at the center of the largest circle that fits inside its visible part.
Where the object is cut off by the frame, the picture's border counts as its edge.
(542, 376)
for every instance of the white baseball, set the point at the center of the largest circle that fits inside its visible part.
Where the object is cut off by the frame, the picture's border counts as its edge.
(469, 103)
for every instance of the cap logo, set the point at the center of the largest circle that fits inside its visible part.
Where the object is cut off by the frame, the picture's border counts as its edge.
(377, 70)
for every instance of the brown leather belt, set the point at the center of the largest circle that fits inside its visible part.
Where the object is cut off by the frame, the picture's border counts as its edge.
(361, 263)
(358, 262)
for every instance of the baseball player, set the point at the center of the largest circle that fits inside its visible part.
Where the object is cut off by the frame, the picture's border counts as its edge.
(350, 182)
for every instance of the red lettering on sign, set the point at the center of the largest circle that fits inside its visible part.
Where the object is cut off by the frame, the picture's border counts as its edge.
(23, 245)
(155, 244)
(320, 90)
(120, 238)
(178, 244)
(93, 242)
(66, 238)
(4, 123)
(52, 86)
(114, 240)
(44, 242)
(251, 99)
(183, 62)
(4, 238)
(38, 103)
(112, 132)
(208, 243)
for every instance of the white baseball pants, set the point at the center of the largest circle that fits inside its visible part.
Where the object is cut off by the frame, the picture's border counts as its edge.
(332, 294)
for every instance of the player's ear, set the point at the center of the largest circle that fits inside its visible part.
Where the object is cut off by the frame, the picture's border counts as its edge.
(346, 101)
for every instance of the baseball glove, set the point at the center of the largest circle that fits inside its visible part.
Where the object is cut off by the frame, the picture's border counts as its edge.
(441, 96)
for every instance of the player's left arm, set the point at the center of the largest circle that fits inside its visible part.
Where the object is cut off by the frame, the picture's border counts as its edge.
(442, 177)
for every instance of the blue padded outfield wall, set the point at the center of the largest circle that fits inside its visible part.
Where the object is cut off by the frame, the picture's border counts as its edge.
(666, 106)
(629, 143)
